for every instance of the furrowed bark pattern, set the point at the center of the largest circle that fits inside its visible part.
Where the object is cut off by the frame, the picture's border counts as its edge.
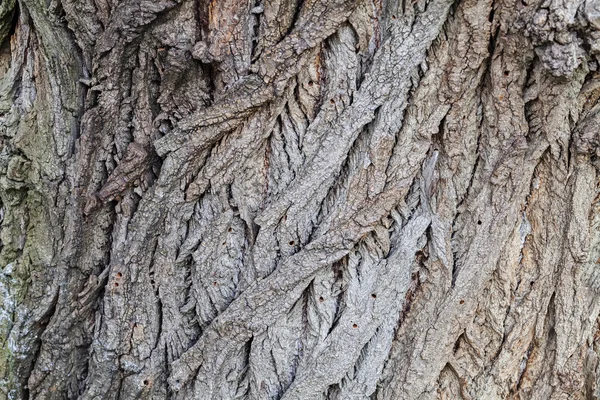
(348, 199)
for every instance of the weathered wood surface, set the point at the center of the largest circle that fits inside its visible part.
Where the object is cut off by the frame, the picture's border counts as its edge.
(318, 199)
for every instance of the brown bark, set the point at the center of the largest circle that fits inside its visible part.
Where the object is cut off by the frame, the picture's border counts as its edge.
(319, 199)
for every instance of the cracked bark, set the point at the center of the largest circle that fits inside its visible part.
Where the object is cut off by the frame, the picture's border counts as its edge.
(348, 199)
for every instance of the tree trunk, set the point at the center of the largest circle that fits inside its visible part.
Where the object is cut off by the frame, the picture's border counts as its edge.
(318, 199)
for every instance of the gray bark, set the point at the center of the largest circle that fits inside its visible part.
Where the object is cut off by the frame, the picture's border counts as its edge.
(319, 199)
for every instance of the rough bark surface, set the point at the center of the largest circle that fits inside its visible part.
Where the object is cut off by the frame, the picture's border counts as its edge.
(300, 199)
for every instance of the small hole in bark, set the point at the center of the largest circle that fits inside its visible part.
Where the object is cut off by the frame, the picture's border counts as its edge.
(374, 296)
(145, 382)
(531, 283)
(310, 83)
(478, 222)
(332, 101)
(224, 243)
(229, 230)
(215, 283)
(116, 284)
(393, 17)
(119, 274)
(321, 299)
(291, 242)
(462, 302)
(354, 326)
(506, 73)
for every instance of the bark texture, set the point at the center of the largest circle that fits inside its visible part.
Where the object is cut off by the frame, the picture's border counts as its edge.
(299, 199)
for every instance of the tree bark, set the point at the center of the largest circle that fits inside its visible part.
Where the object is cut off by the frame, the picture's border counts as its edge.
(318, 199)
